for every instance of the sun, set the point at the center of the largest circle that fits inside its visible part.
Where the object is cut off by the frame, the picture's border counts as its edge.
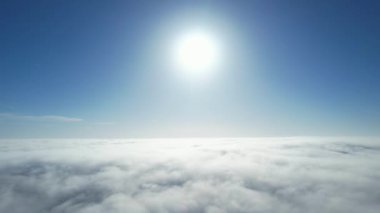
(196, 54)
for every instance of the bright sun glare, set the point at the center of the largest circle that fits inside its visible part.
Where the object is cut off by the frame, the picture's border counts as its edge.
(196, 54)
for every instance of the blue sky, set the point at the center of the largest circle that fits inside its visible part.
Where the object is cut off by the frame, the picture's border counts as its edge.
(98, 69)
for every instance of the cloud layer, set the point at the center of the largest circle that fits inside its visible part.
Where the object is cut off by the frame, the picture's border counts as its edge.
(55, 118)
(193, 175)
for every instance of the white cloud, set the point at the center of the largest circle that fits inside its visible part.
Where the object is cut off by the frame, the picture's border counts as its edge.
(55, 118)
(211, 175)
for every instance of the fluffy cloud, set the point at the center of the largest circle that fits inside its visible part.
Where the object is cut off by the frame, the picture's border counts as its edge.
(194, 175)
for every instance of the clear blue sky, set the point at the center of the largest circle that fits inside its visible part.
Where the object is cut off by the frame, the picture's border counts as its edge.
(96, 69)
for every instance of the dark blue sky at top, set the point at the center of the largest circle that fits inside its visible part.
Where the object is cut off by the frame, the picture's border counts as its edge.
(317, 64)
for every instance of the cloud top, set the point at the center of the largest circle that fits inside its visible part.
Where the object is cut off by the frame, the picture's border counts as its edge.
(210, 175)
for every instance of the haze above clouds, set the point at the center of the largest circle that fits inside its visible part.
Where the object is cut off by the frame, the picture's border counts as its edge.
(190, 175)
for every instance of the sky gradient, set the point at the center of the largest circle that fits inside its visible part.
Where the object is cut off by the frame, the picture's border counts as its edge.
(100, 69)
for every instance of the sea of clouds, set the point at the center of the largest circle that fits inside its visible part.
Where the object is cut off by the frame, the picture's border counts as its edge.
(190, 175)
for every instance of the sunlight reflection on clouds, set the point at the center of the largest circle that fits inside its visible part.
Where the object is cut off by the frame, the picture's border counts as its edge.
(192, 175)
